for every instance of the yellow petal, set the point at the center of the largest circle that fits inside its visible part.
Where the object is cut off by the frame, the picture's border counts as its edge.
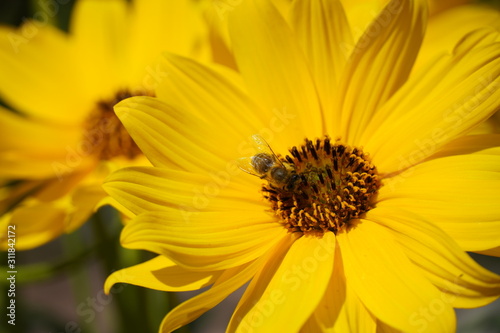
(162, 273)
(380, 63)
(259, 282)
(98, 30)
(42, 209)
(438, 6)
(143, 189)
(19, 166)
(220, 103)
(34, 225)
(331, 314)
(384, 328)
(126, 214)
(153, 24)
(495, 252)
(470, 144)
(219, 36)
(455, 94)
(274, 67)
(26, 193)
(30, 165)
(376, 267)
(457, 190)
(204, 241)
(12, 193)
(182, 140)
(283, 6)
(439, 37)
(26, 134)
(296, 287)
(340, 310)
(54, 189)
(49, 80)
(85, 200)
(227, 283)
(166, 136)
(324, 35)
(360, 13)
(31, 148)
(463, 282)
(355, 316)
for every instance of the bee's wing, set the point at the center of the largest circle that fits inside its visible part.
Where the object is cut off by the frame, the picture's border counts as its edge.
(262, 146)
(245, 164)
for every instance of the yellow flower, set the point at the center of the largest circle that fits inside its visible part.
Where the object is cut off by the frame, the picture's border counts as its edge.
(65, 139)
(360, 227)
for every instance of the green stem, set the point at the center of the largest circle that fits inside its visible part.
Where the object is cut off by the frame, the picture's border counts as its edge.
(130, 300)
(78, 276)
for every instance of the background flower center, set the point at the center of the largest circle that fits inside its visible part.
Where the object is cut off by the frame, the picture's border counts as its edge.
(107, 134)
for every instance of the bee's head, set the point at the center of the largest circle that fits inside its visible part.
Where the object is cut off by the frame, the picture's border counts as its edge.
(292, 182)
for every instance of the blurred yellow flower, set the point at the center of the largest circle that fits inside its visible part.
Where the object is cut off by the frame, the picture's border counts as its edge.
(64, 139)
(361, 227)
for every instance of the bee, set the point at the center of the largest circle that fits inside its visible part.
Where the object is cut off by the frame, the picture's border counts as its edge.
(266, 165)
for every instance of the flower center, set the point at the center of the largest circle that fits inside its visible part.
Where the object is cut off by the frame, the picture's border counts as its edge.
(107, 136)
(321, 186)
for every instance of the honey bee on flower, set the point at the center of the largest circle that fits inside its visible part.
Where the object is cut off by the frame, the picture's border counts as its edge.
(267, 165)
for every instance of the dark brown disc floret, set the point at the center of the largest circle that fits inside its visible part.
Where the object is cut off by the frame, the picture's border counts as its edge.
(331, 184)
